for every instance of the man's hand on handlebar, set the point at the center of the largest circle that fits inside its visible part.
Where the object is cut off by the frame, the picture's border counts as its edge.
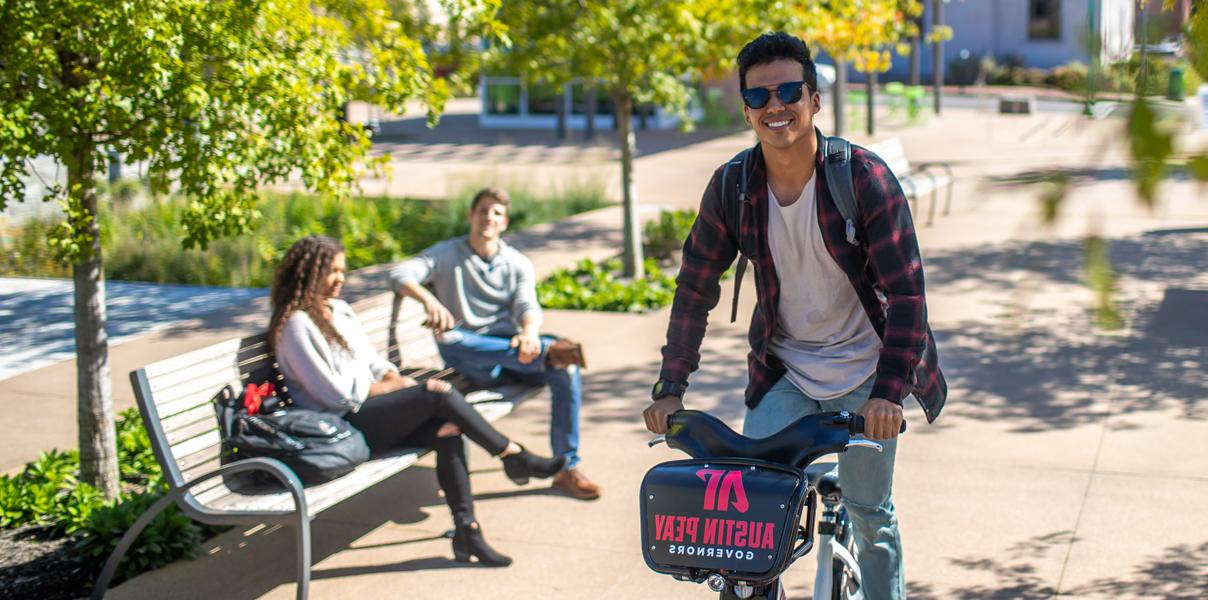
(882, 419)
(656, 414)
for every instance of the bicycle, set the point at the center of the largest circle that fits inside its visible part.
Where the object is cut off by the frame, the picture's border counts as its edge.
(769, 483)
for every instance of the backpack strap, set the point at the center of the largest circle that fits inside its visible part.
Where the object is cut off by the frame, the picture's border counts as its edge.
(733, 201)
(839, 181)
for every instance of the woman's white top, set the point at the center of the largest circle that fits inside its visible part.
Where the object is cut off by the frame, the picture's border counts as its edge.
(323, 375)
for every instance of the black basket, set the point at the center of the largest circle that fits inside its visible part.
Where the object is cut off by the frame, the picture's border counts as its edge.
(734, 516)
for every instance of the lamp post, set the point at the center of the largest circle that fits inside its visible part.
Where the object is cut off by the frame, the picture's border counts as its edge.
(1089, 108)
(937, 19)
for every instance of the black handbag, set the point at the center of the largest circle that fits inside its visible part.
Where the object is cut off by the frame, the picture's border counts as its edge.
(318, 446)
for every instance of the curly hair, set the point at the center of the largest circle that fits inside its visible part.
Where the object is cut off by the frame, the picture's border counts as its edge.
(300, 285)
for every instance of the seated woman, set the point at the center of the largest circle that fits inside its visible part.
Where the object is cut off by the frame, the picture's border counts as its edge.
(330, 365)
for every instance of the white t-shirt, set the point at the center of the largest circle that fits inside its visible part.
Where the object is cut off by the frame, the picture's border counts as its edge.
(823, 335)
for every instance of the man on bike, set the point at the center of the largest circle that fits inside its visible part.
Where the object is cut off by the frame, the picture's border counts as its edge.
(840, 321)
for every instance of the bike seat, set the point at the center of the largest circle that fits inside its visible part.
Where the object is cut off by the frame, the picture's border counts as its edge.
(824, 477)
(702, 435)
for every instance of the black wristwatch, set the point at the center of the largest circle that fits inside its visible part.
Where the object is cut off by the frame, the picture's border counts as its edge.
(666, 388)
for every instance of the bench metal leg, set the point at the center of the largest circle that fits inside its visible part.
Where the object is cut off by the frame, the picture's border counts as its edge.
(303, 531)
(275, 467)
(935, 198)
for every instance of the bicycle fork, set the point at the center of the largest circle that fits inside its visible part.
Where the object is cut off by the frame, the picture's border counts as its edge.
(832, 552)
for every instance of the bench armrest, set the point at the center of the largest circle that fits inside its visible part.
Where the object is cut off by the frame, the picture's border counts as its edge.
(933, 164)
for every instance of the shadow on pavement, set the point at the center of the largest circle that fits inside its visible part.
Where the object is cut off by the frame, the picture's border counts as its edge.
(1179, 573)
(1039, 373)
(400, 500)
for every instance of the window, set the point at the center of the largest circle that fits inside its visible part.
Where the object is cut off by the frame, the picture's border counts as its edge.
(543, 100)
(503, 96)
(1044, 19)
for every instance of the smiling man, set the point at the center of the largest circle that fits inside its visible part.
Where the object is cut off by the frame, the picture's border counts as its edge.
(483, 306)
(841, 318)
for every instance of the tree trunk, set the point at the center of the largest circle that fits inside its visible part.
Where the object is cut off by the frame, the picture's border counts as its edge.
(590, 129)
(840, 90)
(937, 19)
(94, 418)
(560, 111)
(872, 102)
(629, 188)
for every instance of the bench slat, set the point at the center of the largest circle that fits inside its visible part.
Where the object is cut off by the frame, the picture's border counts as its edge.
(200, 413)
(244, 362)
(196, 444)
(204, 387)
(187, 462)
(166, 382)
(188, 360)
(191, 431)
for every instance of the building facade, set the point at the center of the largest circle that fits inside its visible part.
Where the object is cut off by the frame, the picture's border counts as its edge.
(1039, 33)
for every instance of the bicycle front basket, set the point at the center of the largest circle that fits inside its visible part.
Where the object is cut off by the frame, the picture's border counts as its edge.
(734, 516)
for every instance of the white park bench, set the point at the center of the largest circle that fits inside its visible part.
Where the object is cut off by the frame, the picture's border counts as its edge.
(176, 400)
(917, 179)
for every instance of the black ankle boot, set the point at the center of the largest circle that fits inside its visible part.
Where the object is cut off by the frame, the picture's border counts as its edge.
(467, 542)
(524, 464)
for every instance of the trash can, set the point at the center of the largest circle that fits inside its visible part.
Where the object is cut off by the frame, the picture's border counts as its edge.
(1176, 87)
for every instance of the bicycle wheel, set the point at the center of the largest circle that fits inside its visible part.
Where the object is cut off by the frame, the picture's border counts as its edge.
(844, 584)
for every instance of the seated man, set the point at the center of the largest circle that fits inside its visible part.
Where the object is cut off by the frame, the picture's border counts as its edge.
(487, 318)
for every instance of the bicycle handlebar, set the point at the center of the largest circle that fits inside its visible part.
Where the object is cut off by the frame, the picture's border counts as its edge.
(856, 427)
(701, 435)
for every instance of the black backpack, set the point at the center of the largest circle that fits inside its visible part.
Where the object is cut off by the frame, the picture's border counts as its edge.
(837, 167)
(318, 446)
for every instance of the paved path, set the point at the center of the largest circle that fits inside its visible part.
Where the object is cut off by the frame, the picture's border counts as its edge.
(37, 320)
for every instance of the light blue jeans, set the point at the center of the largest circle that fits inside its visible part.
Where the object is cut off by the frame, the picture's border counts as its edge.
(865, 475)
(488, 360)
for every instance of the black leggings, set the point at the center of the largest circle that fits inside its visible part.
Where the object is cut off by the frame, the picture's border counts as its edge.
(411, 417)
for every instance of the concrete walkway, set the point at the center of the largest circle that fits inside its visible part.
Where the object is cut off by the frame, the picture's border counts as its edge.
(1070, 461)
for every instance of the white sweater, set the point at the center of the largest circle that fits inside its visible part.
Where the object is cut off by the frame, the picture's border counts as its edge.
(321, 374)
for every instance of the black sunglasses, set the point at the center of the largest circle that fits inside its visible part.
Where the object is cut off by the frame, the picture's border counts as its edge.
(789, 93)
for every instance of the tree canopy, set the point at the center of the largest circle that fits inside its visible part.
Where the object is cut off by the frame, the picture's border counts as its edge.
(218, 98)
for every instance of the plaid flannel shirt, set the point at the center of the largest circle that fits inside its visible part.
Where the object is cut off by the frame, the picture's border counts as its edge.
(885, 269)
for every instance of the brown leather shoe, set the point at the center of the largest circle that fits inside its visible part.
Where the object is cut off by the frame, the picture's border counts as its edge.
(564, 353)
(576, 484)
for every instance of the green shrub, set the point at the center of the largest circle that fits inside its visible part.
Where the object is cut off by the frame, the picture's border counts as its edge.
(964, 71)
(1071, 77)
(665, 236)
(48, 494)
(169, 537)
(36, 495)
(599, 286)
(143, 244)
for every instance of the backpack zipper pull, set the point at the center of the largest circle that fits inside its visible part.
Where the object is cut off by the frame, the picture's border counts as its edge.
(851, 234)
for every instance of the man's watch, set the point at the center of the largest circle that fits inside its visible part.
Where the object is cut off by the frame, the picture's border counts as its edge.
(664, 388)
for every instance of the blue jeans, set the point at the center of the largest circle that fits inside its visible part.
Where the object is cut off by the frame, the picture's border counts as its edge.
(865, 475)
(489, 360)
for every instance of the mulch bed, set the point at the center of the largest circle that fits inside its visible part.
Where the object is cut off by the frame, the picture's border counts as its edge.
(32, 566)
